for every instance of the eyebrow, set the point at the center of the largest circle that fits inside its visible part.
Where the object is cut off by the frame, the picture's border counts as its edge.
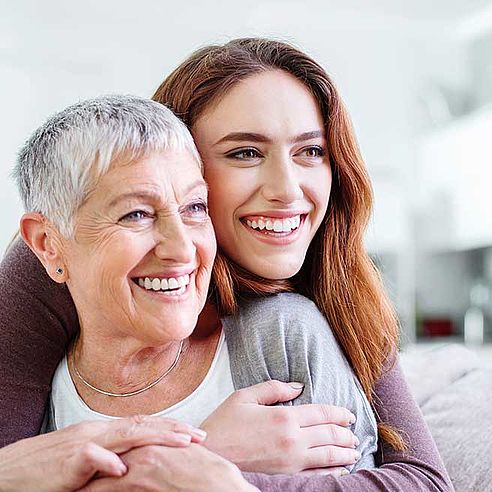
(152, 196)
(258, 137)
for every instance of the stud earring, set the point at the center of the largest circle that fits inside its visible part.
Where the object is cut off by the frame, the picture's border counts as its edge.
(59, 270)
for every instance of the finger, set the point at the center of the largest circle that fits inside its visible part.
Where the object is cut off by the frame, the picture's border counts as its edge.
(269, 392)
(91, 459)
(326, 456)
(137, 431)
(197, 434)
(316, 414)
(336, 471)
(336, 435)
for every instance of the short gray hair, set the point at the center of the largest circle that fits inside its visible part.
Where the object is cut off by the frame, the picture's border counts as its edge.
(68, 154)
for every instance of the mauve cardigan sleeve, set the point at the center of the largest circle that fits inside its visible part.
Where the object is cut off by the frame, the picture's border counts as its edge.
(37, 321)
(419, 469)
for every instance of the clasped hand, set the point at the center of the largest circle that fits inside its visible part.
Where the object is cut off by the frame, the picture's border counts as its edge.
(244, 433)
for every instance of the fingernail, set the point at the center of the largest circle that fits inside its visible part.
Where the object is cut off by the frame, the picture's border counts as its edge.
(344, 472)
(296, 386)
(357, 442)
(200, 433)
(122, 468)
(357, 457)
(352, 418)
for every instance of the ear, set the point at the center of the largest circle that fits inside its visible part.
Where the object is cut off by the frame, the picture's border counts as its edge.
(45, 243)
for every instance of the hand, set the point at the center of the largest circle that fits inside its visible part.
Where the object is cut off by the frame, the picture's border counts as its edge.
(280, 439)
(67, 459)
(160, 468)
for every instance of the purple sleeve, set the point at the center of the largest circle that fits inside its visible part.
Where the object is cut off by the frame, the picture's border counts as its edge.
(420, 468)
(37, 320)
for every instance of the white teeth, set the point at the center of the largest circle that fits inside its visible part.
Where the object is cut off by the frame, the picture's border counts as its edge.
(173, 283)
(275, 225)
(165, 284)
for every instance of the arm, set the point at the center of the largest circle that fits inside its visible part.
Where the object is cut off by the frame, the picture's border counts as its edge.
(421, 468)
(37, 320)
(285, 337)
(160, 468)
(67, 459)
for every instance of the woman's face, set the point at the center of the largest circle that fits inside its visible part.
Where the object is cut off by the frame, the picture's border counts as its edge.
(142, 254)
(266, 163)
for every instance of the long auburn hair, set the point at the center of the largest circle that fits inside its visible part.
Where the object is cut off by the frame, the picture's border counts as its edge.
(337, 273)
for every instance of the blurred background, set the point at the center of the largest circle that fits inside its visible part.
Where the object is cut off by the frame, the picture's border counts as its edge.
(415, 75)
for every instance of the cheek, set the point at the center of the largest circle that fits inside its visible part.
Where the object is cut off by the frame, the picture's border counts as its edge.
(206, 246)
(224, 197)
(113, 256)
(321, 187)
(318, 189)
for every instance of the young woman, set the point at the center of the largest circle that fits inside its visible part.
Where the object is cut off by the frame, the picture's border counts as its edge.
(270, 126)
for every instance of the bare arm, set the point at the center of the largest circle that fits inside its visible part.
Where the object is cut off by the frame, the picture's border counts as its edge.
(37, 320)
(421, 468)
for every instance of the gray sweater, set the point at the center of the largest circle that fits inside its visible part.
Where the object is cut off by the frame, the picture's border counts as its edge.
(285, 337)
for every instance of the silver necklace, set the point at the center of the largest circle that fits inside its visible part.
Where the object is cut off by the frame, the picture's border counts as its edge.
(133, 393)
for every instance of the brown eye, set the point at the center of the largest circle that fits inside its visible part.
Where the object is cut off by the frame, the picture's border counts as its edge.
(244, 154)
(312, 152)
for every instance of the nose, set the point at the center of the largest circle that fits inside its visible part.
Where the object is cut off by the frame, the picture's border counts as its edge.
(281, 181)
(174, 241)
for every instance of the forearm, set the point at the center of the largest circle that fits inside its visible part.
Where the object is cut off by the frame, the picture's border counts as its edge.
(395, 477)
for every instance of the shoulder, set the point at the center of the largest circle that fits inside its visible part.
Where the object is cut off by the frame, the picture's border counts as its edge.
(288, 318)
(288, 309)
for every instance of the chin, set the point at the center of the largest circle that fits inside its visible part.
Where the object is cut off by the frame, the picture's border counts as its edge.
(280, 271)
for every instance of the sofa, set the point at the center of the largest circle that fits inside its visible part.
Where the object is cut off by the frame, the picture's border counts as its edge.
(453, 388)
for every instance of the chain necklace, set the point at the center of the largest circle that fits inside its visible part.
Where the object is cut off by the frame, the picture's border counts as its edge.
(133, 393)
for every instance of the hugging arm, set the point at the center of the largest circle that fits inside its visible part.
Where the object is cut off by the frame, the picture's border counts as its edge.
(420, 468)
(37, 320)
(285, 337)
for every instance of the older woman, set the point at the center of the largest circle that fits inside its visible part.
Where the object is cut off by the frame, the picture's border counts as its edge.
(117, 210)
(119, 213)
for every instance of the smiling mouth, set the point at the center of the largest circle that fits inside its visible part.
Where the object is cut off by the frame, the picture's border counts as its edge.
(172, 286)
(273, 226)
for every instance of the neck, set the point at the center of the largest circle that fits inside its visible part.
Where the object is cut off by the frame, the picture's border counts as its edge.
(119, 365)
